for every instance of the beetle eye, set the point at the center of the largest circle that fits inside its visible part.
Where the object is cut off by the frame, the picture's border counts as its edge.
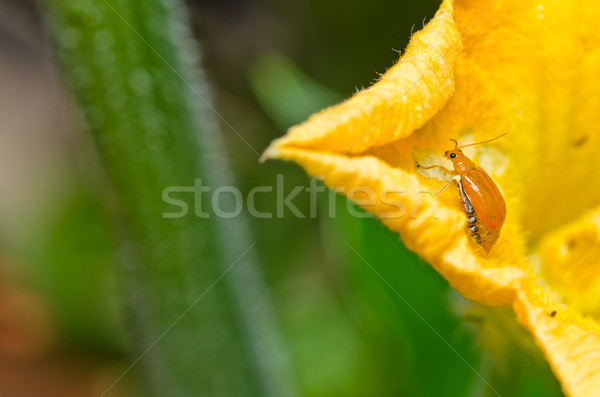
(452, 155)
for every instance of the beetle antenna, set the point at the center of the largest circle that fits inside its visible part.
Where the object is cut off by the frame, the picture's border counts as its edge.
(455, 143)
(478, 143)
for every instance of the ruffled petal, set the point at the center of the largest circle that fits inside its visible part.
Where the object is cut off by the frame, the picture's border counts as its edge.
(430, 228)
(527, 67)
(405, 98)
(570, 260)
(570, 342)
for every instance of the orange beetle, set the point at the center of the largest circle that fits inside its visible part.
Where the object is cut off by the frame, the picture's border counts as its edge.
(481, 197)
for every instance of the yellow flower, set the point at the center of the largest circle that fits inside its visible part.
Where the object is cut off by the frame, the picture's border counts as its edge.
(476, 70)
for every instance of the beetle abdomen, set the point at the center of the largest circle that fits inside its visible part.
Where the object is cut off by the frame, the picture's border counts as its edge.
(477, 230)
(485, 198)
(473, 223)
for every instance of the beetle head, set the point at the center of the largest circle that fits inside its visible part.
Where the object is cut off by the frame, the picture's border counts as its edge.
(452, 154)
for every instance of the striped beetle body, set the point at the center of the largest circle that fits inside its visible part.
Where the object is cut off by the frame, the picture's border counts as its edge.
(482, 200)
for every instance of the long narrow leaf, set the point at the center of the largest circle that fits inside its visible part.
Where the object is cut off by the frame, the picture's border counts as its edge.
(201, 322)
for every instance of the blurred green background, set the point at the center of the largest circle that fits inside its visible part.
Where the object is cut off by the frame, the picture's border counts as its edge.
(98, 118)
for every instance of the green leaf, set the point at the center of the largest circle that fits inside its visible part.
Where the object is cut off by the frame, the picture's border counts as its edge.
(286, 92)
(200, 320)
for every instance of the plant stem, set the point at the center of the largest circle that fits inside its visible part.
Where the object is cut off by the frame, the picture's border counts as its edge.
(133, 67)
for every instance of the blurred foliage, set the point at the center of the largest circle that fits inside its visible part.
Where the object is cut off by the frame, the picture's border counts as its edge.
(346, 332)
(75, 258)
(287, 94)
(134, 71)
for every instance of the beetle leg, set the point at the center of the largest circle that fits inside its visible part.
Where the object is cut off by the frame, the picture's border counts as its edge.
(444, 169)
(442, 188)
(454, 181)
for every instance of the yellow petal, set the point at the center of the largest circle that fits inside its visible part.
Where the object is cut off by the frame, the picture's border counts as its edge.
(571, 344)
(470, 74)
(410, 94)
(434, 231)
(569, 260)
(531, 68)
